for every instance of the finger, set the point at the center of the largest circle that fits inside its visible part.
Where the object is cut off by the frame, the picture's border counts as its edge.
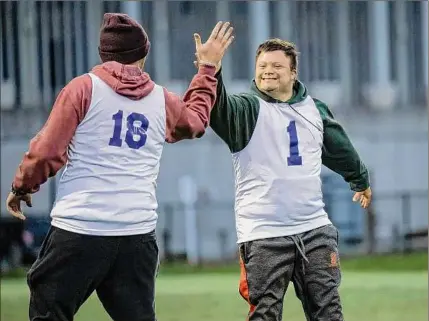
(19, 215)
(228, 43)
(215, 31)
(356, 196)
(197, 39)
(368, 200)
(27, 200)
(365, 202)
(227, 35)
(222, 31)
(13, 209)
(17, 207)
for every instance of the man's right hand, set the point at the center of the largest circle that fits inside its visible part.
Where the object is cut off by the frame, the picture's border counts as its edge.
(212, 51)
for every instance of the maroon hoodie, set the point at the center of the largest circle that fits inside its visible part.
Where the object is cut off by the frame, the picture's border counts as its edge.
(187, 117)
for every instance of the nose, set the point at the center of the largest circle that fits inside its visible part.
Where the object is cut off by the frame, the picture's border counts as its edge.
(268, 75)
(268, 70)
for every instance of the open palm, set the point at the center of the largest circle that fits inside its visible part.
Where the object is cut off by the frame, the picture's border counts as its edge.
(212, 51)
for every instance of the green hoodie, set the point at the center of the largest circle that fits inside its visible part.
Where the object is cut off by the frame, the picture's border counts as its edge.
(234, 119)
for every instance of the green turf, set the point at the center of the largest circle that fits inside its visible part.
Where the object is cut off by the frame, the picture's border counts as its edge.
(372, 296)
(412, 262)
(417, 261)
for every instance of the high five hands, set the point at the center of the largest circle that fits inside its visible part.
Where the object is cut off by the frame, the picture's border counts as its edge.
(211, 52)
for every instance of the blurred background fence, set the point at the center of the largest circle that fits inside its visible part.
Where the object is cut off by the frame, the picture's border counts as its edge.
(362, 232)
(374, 53)
(367, 60)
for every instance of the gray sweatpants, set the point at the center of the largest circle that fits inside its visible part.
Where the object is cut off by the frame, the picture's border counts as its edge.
(310, 260)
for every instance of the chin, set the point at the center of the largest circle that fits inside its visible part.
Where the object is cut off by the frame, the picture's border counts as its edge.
(269, 88)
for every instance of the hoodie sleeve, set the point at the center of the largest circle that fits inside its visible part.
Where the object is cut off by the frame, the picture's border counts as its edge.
(234, 117)
(47, 151)
(339, 154)
(188, 117)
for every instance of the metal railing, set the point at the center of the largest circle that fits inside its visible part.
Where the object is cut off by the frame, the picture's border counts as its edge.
(361, 232)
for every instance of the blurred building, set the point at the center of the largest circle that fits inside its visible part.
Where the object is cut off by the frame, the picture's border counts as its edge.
(367, 60)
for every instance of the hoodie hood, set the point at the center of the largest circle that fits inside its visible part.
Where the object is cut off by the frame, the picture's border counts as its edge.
(299, 93)
(126, 80)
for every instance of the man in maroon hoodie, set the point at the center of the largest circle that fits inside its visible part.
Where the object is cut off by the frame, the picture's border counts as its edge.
(109, 127)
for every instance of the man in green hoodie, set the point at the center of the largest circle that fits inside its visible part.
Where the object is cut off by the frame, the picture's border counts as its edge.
(279, 138)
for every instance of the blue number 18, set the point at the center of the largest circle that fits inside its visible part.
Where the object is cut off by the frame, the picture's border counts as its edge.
(294, 159)
(137, 126)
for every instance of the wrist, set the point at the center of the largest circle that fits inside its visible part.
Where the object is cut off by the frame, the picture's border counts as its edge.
(218, 68)
(207, 63)
(17, 191)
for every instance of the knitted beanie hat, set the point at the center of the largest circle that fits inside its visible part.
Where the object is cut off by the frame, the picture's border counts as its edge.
(122, 39)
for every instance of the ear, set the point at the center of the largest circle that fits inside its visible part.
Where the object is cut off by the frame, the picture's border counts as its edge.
(294, 74)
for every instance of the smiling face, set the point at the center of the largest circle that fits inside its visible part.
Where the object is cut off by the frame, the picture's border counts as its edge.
(274, 72)
(276, 68)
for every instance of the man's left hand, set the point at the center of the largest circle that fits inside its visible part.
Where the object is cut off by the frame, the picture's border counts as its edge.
(13, 204)
(363, 197)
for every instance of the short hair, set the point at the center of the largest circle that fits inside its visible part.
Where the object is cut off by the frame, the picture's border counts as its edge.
(289, 49)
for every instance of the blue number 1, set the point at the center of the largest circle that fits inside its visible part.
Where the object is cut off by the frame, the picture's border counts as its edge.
(116, 138)
(294, 159)
(137, 125)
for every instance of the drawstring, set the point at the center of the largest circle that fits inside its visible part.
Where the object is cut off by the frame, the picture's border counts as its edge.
(301, 248)
(302, 284)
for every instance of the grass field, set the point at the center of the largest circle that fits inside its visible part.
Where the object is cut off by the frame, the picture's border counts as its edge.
(372, 295)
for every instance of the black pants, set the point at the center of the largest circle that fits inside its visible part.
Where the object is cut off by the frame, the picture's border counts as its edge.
(310, 260)
(70, 267)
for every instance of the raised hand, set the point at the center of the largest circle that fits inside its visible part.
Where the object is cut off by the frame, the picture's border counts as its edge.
(212, 51)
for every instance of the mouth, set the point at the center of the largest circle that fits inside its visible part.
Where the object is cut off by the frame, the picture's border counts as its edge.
(269, 78)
